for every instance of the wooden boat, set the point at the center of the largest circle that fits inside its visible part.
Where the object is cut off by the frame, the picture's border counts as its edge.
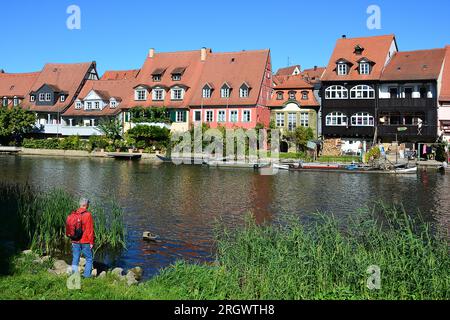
(238, 164)
(123, 155)
(148, 236)
(357, 170)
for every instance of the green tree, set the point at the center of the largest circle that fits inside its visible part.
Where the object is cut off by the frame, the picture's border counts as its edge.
(300, 137)
(15, 123)
(111, 127)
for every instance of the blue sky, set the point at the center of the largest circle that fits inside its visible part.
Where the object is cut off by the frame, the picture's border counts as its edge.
(118, 34)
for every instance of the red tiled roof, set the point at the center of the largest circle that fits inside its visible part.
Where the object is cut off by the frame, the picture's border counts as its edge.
(17, 84)
(119, 89)
(288, 71)
(168, 61)
(376, 49)
(235, 69)
(414, 65)
(295, 83)
(445, 88)
(291, 82)
(313, 75)
(67, 77)
(120, 75)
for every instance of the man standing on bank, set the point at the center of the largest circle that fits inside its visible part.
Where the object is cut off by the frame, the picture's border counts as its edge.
(81, 226)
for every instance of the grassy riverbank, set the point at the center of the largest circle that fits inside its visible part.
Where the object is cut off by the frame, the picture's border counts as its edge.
(290, 260)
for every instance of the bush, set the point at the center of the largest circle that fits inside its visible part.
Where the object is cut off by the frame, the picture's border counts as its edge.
(98, 142)
(373, 153)
(68, 143)
(149, 136)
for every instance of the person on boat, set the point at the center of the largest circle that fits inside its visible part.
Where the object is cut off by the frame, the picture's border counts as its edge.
(86, 243)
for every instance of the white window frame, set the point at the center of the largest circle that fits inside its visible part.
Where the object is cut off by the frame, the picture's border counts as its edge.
(32, 98)
(362, 119)
(155, 93)
(194, 115)
(156, 78)
(280, 119)
(246, 116)
(221, 116)
(231, 116)
(209, 115)
(342, 69)
(336, 119)
(304, 119)
(113, 104)
(177, 93)
(206, 92)
(48, 97)
(41, 96)
(138, 94)
(176, 77)
(364, 68)
(244, 92)
(97, 105)
(88, 105)
(78, 105)
(336, 92)
(225, 92)
(62, 98)
(291, 95)
(292, 121)
(180, 116)
(15, 101)
(362, 91)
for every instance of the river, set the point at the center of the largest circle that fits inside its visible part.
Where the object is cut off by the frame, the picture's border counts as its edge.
(182, 203)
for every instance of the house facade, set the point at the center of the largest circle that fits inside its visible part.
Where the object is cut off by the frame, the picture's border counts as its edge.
(444, 99)
(350, 87)
(408, 97)
(54, 91)
(15, 87)
(293, 104)
(233, 90)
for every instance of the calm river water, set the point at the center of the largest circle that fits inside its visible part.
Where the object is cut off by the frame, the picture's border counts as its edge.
(182, 203)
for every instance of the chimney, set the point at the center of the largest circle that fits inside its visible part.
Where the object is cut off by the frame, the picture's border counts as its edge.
(151, 53)
(344, 36)
(315, 68)
(2, 71)
(203, 54)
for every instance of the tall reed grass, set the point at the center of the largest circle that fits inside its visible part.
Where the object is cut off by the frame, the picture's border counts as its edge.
(38, 219)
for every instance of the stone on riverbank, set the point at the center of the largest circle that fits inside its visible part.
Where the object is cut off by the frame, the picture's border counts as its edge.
(102, 275)
(131, 278)
(137, 273)
(117, 272)
(60, 267)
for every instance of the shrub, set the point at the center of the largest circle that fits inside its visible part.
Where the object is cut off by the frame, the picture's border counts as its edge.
(373, 153)
(98, 142)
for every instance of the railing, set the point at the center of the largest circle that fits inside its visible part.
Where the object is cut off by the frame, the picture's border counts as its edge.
(68, 130)
(407, 102)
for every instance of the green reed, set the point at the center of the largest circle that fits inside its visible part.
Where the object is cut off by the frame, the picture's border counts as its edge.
(39, 217)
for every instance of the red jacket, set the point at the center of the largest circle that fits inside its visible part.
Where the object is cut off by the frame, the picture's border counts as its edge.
(87, 225)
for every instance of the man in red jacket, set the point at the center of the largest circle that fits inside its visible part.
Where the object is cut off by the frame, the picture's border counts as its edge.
(86, 243)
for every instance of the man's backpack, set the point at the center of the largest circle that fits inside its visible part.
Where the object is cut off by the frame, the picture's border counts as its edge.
(74, 227)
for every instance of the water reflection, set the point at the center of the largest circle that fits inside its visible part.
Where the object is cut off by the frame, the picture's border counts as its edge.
(183, 203)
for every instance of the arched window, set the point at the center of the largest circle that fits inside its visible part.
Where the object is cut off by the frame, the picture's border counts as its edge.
(336, 119)
(362, 92)
(362, 119)
(336, 92)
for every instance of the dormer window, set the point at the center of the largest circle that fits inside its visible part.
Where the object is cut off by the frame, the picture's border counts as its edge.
(342, 69)
(140, 94)
(304, 95)
(292, 95)
(225, 91)
(5, 101)
(364, 68)
(78, 105)
(158, 94)
(157, 74)
(177, 73)
(62, 98)
(177, 94)
(279, 95)
(15, 101)
(112, 103)
(156, 78)
(32, 98)
(358, 50)
(48, 97)
(176, 77)
(244, 91)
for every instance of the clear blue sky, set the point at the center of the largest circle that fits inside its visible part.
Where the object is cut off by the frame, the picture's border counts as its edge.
(118, 34)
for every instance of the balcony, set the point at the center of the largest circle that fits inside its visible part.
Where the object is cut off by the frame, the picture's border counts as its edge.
(68, 130)
(412, 132)
(352, 104)
(408, 103)
(348, 132)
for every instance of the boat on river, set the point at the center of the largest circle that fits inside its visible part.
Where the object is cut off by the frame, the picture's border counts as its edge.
(238, 164)
(353, 168)
(124, 155)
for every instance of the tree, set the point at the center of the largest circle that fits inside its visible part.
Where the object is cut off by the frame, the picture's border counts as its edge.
(149, 136)
(111, 128)
(300, 137)
(15, 123)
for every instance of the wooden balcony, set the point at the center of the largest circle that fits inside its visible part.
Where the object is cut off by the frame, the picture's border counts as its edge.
(348, 132)
(408, 103)
(412, 133)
